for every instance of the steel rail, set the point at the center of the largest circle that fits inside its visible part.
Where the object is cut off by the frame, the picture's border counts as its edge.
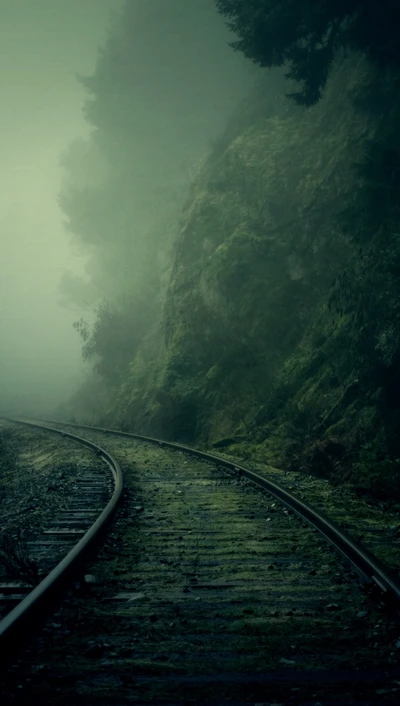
(20, 620)
(364, 561)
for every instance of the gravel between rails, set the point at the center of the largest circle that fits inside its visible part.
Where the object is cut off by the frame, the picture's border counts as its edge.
(41, 478)
(207, 591)
(44, 504)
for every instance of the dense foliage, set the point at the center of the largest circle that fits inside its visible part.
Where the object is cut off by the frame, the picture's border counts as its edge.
(307, 35)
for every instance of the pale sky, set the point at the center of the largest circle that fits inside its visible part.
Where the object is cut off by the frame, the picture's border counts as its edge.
(43, 44)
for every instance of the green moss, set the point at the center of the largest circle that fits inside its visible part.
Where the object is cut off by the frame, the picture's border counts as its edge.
(268, 348)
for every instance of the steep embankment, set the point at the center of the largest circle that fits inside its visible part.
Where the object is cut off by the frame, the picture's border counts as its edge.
(273, 342)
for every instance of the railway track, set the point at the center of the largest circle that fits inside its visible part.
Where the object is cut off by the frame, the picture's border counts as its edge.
(209, 590)
(46, 554)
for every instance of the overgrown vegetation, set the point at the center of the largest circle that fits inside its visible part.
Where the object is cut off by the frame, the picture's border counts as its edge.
(277, 304)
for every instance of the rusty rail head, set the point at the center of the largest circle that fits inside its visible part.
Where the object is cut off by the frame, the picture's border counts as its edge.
(364, 561)
(28, 610)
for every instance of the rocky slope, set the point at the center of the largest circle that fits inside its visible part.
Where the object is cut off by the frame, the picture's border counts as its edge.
(280, 318)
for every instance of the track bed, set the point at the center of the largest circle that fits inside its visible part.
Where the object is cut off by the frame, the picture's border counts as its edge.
(208, 591)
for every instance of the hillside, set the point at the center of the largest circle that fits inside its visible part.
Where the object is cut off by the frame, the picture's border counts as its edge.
(274, 345)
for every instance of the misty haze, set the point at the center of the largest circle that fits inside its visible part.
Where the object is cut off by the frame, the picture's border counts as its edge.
(200, 245)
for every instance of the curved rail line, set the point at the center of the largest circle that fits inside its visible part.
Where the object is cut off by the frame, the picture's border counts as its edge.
(25, 614)
(364, 561)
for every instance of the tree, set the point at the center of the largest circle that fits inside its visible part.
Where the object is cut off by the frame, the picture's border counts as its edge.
(307, 34)
(112, 340)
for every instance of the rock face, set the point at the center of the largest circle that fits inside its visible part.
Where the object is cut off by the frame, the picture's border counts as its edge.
(265, 337)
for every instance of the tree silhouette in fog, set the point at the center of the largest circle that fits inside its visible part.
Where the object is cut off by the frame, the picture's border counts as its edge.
(307, 35)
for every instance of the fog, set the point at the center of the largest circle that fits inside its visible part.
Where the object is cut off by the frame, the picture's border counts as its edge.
(43, 45)
(111, 118)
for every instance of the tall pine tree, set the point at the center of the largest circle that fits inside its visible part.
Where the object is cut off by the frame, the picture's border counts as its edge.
(306, 35)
